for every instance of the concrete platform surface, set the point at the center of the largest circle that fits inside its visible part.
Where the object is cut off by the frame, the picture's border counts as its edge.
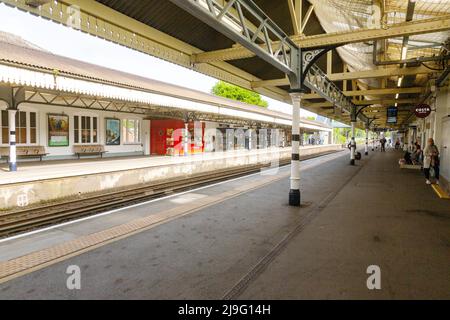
(255, 246)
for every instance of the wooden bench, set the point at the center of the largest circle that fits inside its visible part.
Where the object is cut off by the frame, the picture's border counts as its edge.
(24, 152)
(411, 166)
(89, 149)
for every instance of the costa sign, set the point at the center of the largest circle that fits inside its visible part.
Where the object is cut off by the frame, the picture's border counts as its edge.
(422, 110)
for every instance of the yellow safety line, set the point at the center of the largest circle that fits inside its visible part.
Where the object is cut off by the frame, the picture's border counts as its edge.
(440, 192)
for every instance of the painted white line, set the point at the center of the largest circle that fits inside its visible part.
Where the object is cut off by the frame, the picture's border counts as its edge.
(23, 235)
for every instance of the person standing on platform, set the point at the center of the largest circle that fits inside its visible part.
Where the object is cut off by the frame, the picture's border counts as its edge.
(383, 144)
(431, 161)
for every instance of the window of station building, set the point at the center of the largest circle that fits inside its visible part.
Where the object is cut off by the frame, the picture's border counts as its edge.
(21, 127)
(131, 131)
(33, 128)
(26, 127)
(85, 129)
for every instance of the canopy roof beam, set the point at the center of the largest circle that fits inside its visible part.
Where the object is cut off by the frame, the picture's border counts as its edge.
(366, 74)
(340, 38)
(283, 53)
(373, 92)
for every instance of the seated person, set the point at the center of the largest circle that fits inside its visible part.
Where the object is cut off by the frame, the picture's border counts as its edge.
(417, 155)
(407, 158)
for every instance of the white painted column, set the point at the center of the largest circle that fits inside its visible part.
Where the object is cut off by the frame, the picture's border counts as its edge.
(12, 140)
(294, 193)
(353, 145)
(367, 142)
(249, 132)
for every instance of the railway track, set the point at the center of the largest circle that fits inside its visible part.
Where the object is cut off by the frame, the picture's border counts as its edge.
(17, 221)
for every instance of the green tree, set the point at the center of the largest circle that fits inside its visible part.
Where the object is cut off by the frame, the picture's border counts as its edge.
(233, 92)
(343, 135)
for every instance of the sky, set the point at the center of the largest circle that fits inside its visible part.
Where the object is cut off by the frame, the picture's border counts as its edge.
(75, 44)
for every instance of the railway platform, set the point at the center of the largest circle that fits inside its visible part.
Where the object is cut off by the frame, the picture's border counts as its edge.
(37, 182)
(239, 239)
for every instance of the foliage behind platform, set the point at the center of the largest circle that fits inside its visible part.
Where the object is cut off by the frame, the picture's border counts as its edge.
(233, 92)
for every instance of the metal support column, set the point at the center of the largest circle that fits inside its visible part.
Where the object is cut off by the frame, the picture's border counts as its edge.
(373, 141)
(294, 193)
(353, 140)
(367, 142)
(13, 97)
(12, 140)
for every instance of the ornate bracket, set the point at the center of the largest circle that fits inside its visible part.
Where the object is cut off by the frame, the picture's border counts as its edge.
(371, 121)
(361, 109)
(309, 58)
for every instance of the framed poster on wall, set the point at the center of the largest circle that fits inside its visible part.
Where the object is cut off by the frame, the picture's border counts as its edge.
(112, 132)
(58, 130)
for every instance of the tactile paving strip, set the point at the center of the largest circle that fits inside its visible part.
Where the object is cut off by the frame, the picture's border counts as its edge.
(40, 259)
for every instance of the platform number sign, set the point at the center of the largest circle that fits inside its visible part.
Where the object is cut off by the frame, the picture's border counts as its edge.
(422, 110)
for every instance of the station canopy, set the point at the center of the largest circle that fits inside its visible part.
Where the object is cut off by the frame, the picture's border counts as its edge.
(386, 53)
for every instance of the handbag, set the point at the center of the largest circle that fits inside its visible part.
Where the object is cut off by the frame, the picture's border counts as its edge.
(432, 172)
(435, 157)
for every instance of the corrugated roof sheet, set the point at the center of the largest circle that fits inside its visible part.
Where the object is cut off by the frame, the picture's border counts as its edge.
(12, 51)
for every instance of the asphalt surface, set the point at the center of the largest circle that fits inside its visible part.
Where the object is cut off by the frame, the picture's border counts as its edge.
(256, 246)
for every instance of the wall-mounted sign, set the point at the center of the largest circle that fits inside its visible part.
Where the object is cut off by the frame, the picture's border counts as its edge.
(112, 132)
(392, 115)
(58, 130)
(422, 110)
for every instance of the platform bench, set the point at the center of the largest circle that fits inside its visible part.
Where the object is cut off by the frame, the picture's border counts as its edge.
(411, 166)
(87, 150)
(24, 152)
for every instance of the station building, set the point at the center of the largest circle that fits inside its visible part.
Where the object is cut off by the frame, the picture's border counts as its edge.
(64, 108)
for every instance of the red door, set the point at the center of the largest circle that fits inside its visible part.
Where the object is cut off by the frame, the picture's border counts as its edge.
(157, 138)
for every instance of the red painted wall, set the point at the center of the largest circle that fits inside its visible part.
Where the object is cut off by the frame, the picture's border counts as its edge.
(158, 134)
